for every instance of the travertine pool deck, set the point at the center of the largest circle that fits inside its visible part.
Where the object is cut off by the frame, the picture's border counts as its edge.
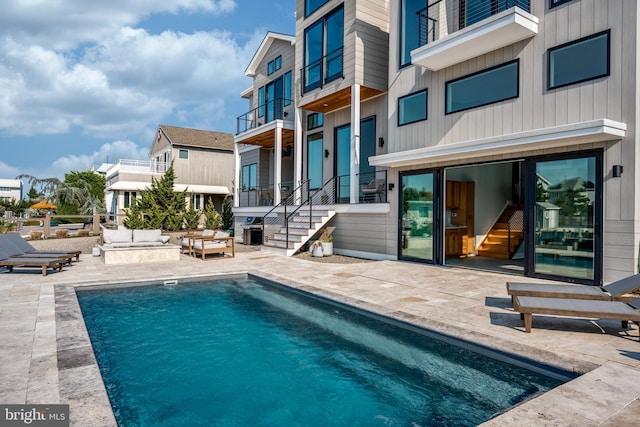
(45, 356)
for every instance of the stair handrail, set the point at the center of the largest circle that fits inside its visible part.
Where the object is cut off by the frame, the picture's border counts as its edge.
(515, 223)
(290, 200)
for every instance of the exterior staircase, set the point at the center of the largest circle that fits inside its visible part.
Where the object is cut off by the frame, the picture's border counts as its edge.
(506, 235)
(301, 229)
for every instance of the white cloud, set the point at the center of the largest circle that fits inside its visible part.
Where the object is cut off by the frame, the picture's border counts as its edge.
(8, 171)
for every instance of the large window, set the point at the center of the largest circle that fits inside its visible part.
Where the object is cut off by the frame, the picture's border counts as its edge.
(412, 108)
(409, 28)
(579, 61)
(311, 6)
(323, 45)
(249, 177)
(314, 160)
(485, 87)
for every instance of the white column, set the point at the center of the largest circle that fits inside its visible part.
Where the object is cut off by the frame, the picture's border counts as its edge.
(277, 163)
(297, 151)
(236, 183)
(355, 143)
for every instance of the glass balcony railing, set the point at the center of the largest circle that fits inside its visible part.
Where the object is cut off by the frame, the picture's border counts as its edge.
(277, 109)
(443, 17)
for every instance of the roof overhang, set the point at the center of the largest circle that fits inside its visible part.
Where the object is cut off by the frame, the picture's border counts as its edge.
(264, 48)
(143, 186)
(500, 30)
(558, 136)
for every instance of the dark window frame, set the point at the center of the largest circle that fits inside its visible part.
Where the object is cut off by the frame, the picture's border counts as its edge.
(486, 70)
(184, 151)
(287, 86)
(321, 124)
(556, 3)
(277, 63)
(270, 68)
(308, 11)
(580, 40)
(306, 148)
(252, 177)
(426, 106)
(261, 100)
(323, 79)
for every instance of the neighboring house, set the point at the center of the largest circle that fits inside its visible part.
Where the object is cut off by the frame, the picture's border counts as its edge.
(10, 189)
(460, 105)
(202, 161)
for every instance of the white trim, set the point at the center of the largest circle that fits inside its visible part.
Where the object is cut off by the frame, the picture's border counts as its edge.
(247, 92)
(558, 136)
(272, 125)
(195, 189)
(365, 255)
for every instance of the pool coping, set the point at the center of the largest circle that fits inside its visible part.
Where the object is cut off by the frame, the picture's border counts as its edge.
(81, 384)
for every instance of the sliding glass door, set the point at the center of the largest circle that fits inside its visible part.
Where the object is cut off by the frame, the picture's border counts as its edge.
(418, 224)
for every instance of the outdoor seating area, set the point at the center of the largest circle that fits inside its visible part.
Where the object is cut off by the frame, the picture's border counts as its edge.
(125, 246)
(208, 242)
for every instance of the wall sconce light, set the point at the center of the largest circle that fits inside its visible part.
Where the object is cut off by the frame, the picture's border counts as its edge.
(381, 142)
(391, 185)
(617, 171)
(326, 152)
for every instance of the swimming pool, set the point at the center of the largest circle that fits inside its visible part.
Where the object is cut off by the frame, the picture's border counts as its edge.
(244, 352)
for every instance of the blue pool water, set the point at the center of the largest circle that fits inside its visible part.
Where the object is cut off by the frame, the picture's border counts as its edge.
(244, 353)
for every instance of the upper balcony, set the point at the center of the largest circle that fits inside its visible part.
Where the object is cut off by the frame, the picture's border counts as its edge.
(258, 126)
(126, 171)
(453, 31)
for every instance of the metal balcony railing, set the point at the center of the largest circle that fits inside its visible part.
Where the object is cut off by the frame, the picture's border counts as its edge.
(277, 109)
(322, 71)
(443, 17)
(263, 195)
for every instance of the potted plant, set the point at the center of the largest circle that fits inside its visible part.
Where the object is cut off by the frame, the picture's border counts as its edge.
(316, 249)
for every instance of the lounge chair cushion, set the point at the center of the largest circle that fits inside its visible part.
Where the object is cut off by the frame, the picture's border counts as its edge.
(117, 236)
(212, 244)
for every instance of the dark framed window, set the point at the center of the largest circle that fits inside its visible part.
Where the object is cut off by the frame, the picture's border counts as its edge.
(196, 201)
(261, 102)
(277, 63)
(129, 196)
(579, 61)
(183, 154)
(314, 160)
(412, 108)
(409, 32)
(315, 120)
(323, 49)
(554, 3)
(270, 68)
(287, 88)
(483, 88)
(311, 6)
(249, 177)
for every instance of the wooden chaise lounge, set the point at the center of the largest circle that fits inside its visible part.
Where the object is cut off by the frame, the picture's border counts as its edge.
(30, 262)
(27, 248)
(614, 291)
(14, 252)
(614, 310)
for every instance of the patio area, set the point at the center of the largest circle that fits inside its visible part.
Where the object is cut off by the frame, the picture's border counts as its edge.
(44, 356)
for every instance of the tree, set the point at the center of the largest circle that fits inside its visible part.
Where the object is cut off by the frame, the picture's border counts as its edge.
(192, 217)
(227, 214)
(80, 193)
(213, 219)
(162, 207)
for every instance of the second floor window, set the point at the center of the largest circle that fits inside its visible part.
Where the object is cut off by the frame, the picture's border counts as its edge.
(412, 108)
(409, 28)
(261, 102)
(183, 154)
(311, 6)
(323, 43)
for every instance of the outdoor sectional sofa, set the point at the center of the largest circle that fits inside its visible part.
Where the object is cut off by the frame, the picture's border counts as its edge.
(124, 246)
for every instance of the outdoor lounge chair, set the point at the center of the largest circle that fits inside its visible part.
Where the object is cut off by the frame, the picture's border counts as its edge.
(614, 291)
(26, 247)
(615, 310)
(14, 252)
(30, 262)
(187, 242)
(220, 242)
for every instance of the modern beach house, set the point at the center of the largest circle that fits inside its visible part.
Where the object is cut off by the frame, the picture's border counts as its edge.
(482, 133)
(202, 162)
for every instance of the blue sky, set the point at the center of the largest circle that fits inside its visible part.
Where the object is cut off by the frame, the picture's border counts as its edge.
(83, 81)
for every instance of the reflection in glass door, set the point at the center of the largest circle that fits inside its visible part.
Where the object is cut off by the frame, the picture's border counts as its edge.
(566, 206)
(417, 224)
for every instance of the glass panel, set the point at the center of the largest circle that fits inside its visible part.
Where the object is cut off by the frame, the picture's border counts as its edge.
(277, 63)
(314, 160)
(287, 88)
(315, 120)
(249, 177)
(313, 55)
(311, 6)
(274, 100)
(261, 102)
(412, 108)
(183, 154)
(417, 216)
(343, 163)
(486, 87)
(409, 28)
(564, 218)
(270, 68)
(580, 61)
(335, 41)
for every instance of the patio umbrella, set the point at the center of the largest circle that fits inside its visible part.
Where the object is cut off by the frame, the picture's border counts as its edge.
(43, 204)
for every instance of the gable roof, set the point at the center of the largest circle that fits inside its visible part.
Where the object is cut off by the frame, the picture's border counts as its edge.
(264, 48)
(185, 137)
